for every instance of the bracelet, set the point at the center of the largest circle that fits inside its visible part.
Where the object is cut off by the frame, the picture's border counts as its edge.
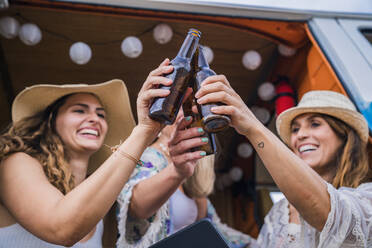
(124, 154)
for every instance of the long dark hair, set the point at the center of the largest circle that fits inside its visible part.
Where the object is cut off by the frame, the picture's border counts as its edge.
(353, 167)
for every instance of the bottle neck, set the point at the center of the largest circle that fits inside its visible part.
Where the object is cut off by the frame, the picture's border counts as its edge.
(189, 46)
(202, 60)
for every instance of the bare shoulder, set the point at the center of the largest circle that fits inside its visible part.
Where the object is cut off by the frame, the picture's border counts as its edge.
(20, 160)
(18, 168)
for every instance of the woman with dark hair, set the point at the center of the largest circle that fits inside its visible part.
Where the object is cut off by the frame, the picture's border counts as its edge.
(322, 167)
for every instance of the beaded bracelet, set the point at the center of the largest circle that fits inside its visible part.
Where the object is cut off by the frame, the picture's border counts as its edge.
(124, 154)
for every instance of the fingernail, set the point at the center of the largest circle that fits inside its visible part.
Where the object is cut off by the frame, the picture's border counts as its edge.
(205, 140)
(166, 92)
(188, 118)
(203, 153)
(200, 130)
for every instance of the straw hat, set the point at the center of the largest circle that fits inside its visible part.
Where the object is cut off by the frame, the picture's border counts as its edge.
(113, 95)
(323, 102)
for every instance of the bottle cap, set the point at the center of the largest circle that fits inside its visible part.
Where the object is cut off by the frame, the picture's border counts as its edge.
(195, 32)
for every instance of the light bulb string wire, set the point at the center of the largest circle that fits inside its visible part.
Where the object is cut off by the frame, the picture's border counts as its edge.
(140, 34)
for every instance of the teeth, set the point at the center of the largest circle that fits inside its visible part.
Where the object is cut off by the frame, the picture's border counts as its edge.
(90, 131)
(305, 148)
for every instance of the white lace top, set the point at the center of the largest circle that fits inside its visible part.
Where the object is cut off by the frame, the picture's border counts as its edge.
(349, 223)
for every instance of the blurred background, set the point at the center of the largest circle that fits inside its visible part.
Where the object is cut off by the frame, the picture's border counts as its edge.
(270, 59)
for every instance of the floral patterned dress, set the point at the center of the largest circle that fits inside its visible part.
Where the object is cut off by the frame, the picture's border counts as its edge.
(143, 233)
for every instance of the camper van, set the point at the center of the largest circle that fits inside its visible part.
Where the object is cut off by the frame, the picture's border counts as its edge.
(272, 53)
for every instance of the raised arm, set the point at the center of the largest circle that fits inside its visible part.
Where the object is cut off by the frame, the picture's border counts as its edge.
(145, 200)
(302, 186)
(66, 219)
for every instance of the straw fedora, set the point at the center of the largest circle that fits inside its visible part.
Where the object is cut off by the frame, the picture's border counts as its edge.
(323, 102)
(113, 95)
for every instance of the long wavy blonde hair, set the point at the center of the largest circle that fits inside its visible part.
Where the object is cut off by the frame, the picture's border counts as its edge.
(352, 160)
(36, 136)
(201, 183)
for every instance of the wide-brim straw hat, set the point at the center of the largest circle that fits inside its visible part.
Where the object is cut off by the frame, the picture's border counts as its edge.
(113, 95)
(324, 102)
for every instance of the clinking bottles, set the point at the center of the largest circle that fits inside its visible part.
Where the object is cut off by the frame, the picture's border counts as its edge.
(212, 122)
(210, 146)
(165, 109)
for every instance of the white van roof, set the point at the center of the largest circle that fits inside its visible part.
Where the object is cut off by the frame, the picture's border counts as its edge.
(272, 9)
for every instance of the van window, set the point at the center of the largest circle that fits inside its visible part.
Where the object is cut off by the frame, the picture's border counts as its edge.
(367, 34)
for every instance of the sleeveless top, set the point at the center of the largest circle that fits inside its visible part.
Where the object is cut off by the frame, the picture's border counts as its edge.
(16, 236)
(183, 211)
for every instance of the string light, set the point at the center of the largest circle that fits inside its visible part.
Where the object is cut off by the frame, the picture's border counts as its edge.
(4, 4)
(131, 47)
(251, 60)
(9, 27)
(30, 34)
(80, 53)
(236, 173)
(262, 114)
(245, 150)
(208, 53)
(162, 33)
(266, 91)
(286, 51)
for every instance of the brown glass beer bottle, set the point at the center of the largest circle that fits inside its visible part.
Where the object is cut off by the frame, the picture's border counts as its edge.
(210, 146)
(165, 109)
(212, 122)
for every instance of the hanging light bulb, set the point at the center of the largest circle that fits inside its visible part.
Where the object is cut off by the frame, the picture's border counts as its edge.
(131, 47)
(286, 51)
(80, 53)
(262, 114)
(226, 180)
(30, 34)
(245, 150)
(9, 27)
(236, 173)
(266, 91)
(208, 53)
(219, 184)
(251, 60)
(4, 4)
(163, 33)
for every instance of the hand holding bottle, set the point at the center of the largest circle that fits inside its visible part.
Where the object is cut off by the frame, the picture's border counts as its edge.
(218, 89)
(212, 122)
(181, 145)
(165, 109)
(150, 90)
